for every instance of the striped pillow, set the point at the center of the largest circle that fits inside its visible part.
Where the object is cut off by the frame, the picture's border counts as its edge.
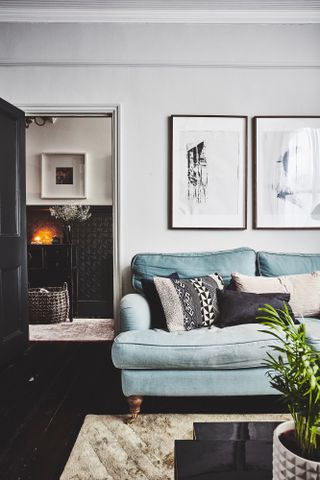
(189, 303)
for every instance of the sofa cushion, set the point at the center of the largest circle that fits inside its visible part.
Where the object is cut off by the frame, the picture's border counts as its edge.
(241, 346)
(275, 264)
(189, 303)
(313, 331)
(304, 290)
(158, 319)
(238, 308)
(187, 265)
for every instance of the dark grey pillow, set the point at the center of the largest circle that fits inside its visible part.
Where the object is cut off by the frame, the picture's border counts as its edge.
(158, 319)
(237, 308)
(189, 303)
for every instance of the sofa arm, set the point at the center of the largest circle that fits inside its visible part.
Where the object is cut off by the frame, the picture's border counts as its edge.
(134, 313)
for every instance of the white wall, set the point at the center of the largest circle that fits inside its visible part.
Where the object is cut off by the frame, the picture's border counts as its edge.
(154, 71)
(67, 135)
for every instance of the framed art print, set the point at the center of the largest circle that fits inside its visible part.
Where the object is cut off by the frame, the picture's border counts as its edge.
(63, 175)
(208, 171)
(286, 172)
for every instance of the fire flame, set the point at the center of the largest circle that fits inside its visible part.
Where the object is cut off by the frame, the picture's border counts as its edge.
(44, 235)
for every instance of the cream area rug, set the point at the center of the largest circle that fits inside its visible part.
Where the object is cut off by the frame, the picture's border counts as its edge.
(80, 330)
(109, 449)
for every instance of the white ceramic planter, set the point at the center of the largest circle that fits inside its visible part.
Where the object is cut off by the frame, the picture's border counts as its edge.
(287, 465)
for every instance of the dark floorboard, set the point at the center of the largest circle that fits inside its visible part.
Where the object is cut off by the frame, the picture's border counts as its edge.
(46, 393)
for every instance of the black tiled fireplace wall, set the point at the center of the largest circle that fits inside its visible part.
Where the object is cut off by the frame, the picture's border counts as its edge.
(94, 239)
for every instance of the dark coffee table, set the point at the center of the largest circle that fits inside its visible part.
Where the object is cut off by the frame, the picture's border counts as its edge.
(226, 451)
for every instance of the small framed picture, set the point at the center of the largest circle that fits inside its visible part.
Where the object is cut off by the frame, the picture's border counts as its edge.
(286, 153)
(208, 172)
(63, 175)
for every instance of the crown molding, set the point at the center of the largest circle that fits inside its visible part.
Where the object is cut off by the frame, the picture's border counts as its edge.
(138, 15)
(136, 64)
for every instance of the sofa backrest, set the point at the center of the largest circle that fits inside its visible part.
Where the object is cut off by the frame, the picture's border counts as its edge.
(271, 264)
(148, 265)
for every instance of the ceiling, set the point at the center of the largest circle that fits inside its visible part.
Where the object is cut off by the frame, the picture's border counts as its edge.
(161, 11)
(168, 4)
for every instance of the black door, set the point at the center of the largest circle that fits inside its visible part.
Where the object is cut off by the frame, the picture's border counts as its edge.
(13, 244)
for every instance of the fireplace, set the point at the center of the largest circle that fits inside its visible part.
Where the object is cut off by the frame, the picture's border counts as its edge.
(92, 240)
(42, 228)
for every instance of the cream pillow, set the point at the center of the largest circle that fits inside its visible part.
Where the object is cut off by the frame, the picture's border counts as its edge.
(304, 290)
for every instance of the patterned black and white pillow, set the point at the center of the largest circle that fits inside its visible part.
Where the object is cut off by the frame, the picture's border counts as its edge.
(189, 303)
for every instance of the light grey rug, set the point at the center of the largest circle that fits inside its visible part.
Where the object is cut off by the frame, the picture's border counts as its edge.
(80, 330)
(109, 449)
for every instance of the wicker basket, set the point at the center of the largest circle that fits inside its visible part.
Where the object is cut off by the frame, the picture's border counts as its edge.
(48, 305)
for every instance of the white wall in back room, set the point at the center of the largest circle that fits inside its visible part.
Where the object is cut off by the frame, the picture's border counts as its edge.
(72, 135)
(154, 71)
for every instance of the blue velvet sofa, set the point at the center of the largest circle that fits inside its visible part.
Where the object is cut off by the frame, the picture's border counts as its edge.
(202, 362)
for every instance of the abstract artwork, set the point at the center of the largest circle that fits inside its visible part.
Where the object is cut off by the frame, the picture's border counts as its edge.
(287, 172)
(208, 172)
(63, 175)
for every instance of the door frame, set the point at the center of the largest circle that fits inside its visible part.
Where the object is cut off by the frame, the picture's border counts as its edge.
(91, 109)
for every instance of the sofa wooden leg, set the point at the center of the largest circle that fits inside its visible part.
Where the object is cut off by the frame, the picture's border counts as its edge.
(134, 402)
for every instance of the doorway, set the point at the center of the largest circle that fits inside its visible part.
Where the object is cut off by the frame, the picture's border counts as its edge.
(60, 144)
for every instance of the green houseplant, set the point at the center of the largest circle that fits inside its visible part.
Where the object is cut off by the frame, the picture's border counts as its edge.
(294, 370)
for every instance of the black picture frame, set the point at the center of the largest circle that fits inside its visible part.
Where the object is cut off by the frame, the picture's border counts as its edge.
(214, 125)
(287, 126)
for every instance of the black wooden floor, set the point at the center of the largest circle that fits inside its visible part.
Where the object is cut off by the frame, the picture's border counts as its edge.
(45, 395)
